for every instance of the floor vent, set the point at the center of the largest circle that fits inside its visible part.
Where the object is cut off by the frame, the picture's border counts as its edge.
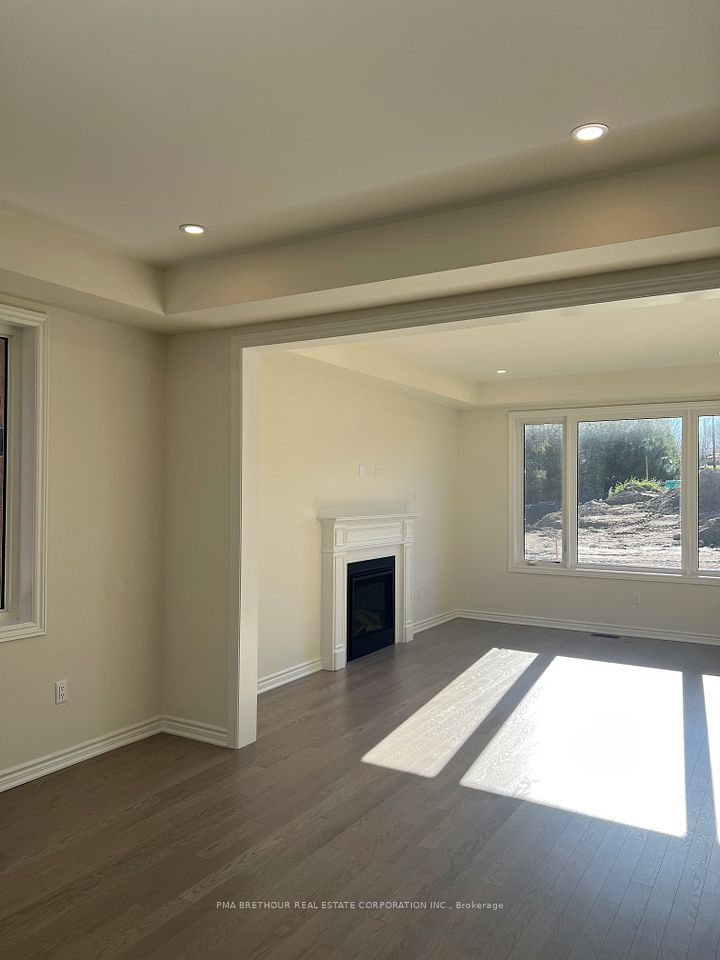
(607, 636)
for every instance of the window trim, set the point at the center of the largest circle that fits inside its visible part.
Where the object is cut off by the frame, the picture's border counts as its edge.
(689, 571)
(24, 614)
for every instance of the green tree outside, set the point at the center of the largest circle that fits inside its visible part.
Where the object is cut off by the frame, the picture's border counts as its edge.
(610, 452)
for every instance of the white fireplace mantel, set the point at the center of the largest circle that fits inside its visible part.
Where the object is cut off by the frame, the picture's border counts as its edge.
(345, 540)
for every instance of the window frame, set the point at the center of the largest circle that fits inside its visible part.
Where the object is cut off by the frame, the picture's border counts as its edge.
(24, 611)
(689, 412)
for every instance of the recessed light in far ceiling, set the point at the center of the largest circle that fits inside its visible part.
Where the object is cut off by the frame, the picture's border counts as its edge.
(193, 229)
(501, 371)
(589, 131)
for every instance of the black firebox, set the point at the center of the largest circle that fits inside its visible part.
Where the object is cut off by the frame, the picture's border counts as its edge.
(371, 606)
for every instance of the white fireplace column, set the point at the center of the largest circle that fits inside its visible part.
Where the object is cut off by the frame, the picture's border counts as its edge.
(345, 540)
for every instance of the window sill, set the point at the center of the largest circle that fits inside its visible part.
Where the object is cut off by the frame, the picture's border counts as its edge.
(604, 573)
(14, 630)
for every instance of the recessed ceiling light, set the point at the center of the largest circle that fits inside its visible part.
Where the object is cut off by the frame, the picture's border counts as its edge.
(589, 131)
(501, 371)
(194, 229)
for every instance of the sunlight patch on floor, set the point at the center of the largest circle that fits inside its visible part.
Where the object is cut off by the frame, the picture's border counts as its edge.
(711, 693)
(427, 740)
(601, 739)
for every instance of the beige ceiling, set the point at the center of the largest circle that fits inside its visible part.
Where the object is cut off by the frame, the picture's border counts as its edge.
(583, 340)
(265, 120)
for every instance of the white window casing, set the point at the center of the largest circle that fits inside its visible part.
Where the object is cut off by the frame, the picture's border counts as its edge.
(24, 611)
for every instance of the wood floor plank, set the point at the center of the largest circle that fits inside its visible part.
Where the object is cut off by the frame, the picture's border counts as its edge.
(623, 929)
(705, 937)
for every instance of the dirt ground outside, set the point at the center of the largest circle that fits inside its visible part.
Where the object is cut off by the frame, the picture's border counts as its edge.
(645, 533)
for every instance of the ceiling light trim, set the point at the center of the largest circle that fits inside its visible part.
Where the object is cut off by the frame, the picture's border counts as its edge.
(589, 132)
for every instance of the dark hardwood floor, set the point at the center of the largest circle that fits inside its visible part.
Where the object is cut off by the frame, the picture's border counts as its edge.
(560, 821)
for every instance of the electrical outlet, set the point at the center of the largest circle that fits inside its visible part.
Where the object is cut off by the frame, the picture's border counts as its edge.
(413, 497)
(378, 471)
(636, 599)
(361, 469)
(61, 691)
(418, 594)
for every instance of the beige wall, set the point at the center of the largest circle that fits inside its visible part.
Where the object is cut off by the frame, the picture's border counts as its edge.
(197, 543)
(105, 510)
(315, 432)
(486, 585)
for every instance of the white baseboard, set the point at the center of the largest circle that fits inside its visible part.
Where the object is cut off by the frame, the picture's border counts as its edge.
(52, 762)
(33, 769)
(421, 625)
(193, 730)
(287, 675)
(583, 626)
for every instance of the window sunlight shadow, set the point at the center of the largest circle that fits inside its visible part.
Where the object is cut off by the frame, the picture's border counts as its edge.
(601, 739)
(428, 739)
(711, 694)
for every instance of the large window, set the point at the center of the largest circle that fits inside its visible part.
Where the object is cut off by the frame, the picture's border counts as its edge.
(620, 491)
